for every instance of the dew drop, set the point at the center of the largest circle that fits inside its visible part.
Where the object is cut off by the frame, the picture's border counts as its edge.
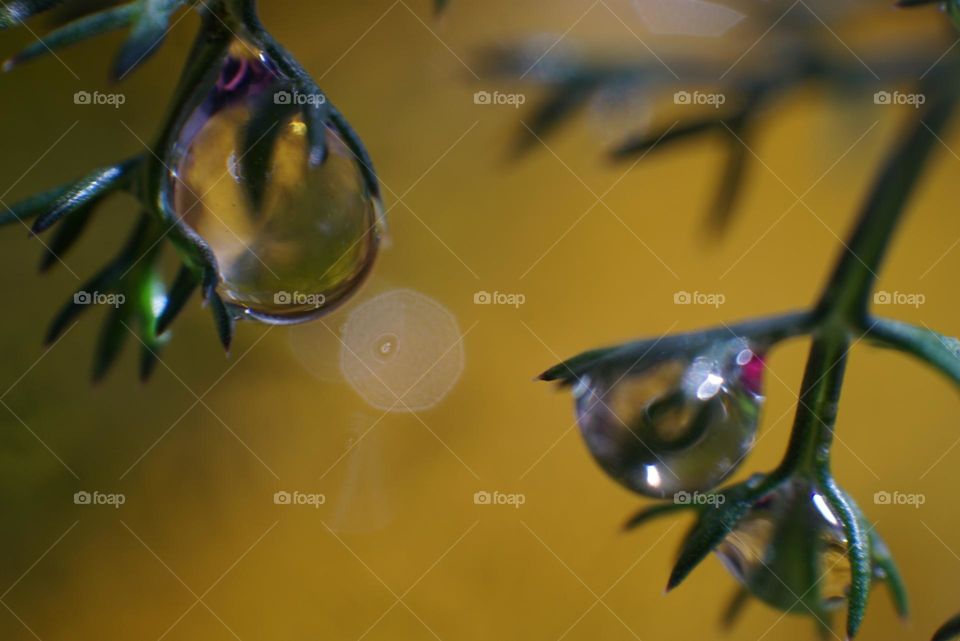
(680, 425)
(401, 351)
(312, 241)
(790, 551)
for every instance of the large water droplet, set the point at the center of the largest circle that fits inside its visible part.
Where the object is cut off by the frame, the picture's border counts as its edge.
(401, 351)
(680, 425)
(790, 551)
(313, 239)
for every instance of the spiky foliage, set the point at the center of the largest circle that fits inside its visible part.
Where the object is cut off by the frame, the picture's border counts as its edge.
(147, 307)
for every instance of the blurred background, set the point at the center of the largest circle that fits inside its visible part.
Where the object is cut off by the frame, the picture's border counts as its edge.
(399, 549)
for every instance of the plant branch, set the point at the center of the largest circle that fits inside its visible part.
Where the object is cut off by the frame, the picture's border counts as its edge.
(848, 292)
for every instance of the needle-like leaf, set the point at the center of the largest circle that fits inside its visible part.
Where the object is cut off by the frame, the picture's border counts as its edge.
(16, 11)
(85, 191)
(76, 31)
(949, 630)
(149, 29)
(183, 287)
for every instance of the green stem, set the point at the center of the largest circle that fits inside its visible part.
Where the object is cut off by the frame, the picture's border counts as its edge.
(809, 448)
(939, 351)
(848, 292)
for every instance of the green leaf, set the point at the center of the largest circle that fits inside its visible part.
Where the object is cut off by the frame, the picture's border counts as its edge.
(560, 106)
(183, 287)
(222, 318)
(104, 281)
(713, 526)
(30, 208)
(734, 608)
(149, 357)
(642, 144)
(76, 31)
(949, 630)
(149, 29)
(113, 336)
(65, 236)
(637, 355)
(652, 512)
(85, 191)
(858, 552)
(886, 569)
(16, 11)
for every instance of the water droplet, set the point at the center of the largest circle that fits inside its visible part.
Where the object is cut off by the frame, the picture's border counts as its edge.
(790, 551)
(313, 239)
(683, 424)
(401, 351)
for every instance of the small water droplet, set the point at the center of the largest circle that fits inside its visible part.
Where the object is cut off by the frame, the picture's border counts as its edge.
(683, 424)
(790, 551)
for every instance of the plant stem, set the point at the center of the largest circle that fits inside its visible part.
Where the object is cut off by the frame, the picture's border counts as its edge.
(848, 292)
(819, 399)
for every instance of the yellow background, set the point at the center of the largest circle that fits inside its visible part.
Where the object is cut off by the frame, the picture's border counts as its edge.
(200, 522)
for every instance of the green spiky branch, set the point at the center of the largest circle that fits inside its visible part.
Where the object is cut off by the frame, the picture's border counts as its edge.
(133, 273)
(839, 319)
(570, 82)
